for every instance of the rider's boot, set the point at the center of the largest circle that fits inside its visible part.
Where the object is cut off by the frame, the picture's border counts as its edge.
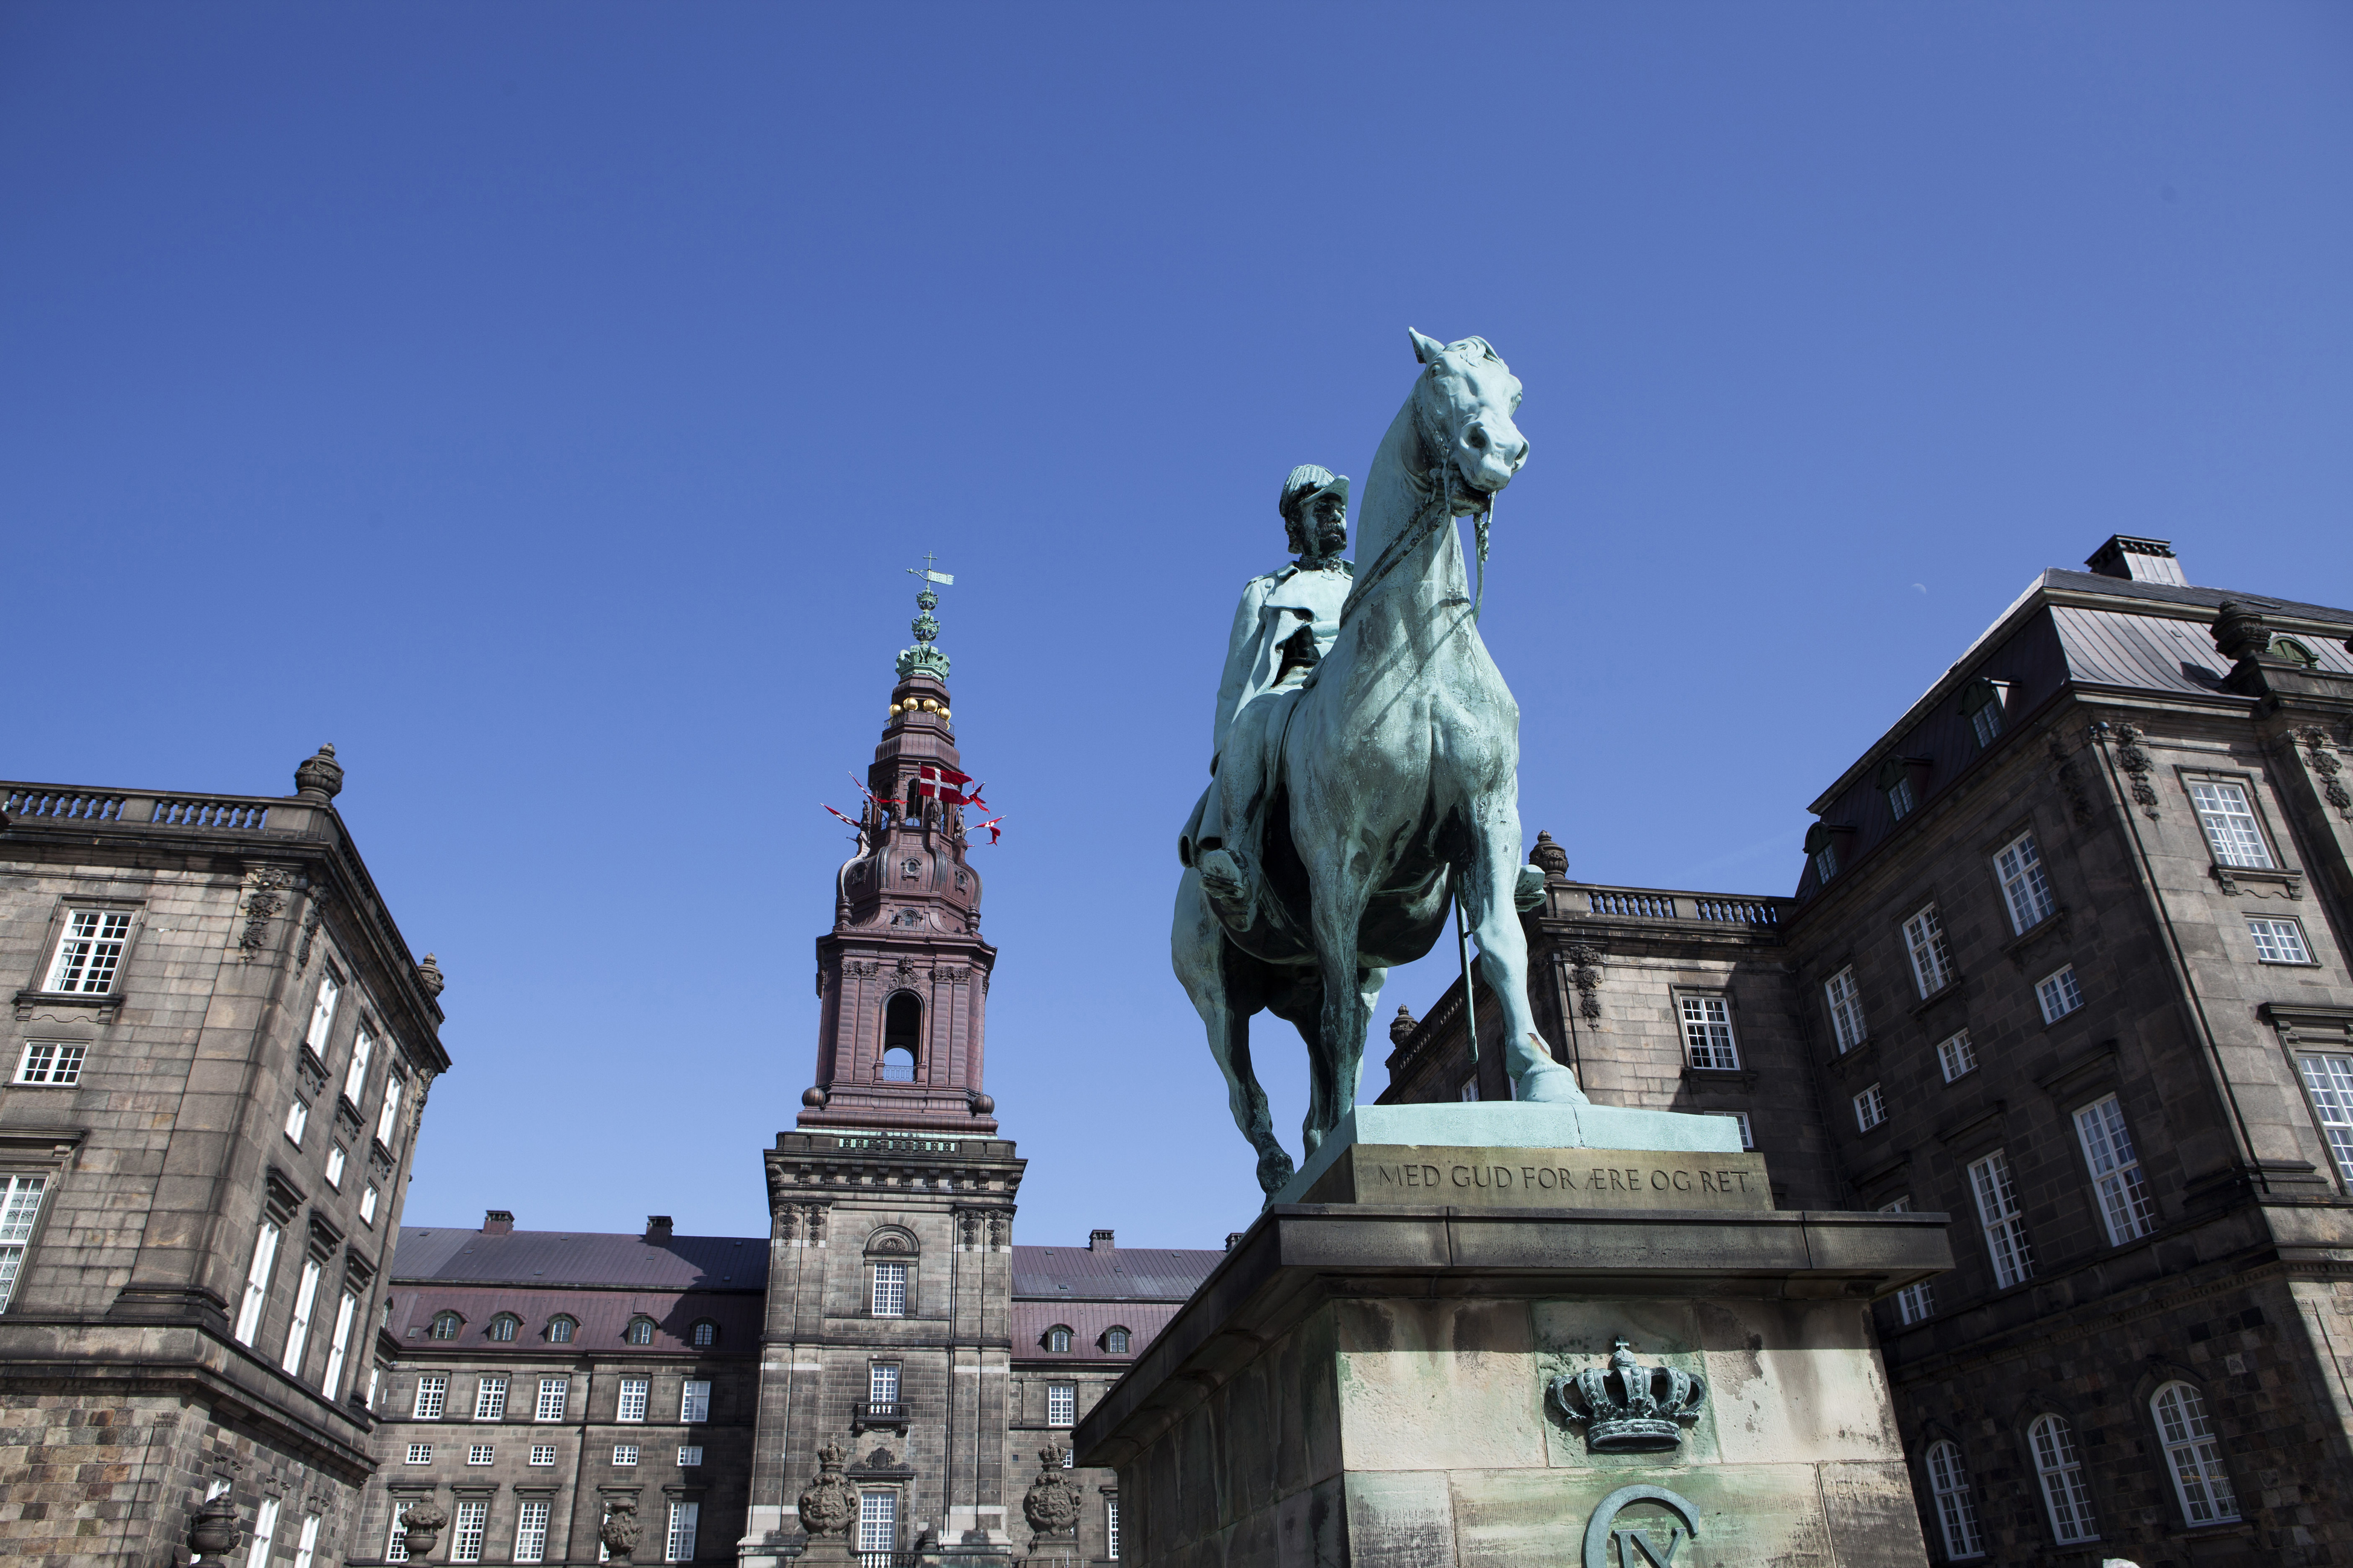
(1227, 881)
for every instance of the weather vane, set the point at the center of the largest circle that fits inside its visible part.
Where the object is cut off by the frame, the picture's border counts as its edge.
(924, 656)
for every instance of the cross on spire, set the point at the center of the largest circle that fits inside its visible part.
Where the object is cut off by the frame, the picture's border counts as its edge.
(945, 580)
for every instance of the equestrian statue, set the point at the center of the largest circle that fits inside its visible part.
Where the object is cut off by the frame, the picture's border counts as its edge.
(1365, 775)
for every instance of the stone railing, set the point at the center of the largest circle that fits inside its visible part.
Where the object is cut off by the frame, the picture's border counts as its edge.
(66, 803)
(1713, 909)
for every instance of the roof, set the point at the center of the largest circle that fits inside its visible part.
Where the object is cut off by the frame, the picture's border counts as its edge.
(1088, 1321)
(1123, 1274)
(544, 1258)
(601, 1314)
(2185, 594)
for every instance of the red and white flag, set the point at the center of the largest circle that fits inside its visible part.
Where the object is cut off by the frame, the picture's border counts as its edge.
(994, 832)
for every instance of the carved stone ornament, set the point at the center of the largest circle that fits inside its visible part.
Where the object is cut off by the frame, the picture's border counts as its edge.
(265, 896)
(321, 778)
(1549, 856)
(829, 1503)
(428, 975)
(1001, 1228)
(620, 1529)
(213, 1531)
(1585, 973)
(1052, 1502)
(422, 1525)
(310, 919)
(1402, 1028)
(2070, 783)
(1628, 1408)
(2135, 761)
(2323, 757)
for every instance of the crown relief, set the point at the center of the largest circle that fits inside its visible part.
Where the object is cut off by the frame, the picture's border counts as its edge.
(1627, 1407)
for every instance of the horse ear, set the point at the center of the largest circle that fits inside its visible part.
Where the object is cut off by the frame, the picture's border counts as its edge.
(1426, 349)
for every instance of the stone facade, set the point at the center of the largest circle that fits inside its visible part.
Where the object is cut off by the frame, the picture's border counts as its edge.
(2117, 1061)
(205, 1164)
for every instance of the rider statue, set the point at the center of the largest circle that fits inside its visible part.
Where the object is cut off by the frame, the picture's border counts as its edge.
(1284, 626)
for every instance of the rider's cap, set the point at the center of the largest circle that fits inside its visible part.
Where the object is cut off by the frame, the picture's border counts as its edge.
(1304, 484)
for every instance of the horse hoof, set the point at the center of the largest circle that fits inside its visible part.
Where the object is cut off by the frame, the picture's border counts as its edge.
(1550, 1084)
(1274, 1171)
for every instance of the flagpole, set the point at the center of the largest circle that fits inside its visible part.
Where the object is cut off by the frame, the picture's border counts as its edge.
(1469, 1007)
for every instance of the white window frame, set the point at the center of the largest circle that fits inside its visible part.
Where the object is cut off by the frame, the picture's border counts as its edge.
(470, 1524)
(420, 1453)
(690, 1457)
(1957, 1508)
(2226, 813)
(88, 959)
(1468, 1089)
(395, 1545)
(2193, 1456)
(1957, 1057)
(542, 1453)
(2066, 1500)
(298, 1120)
(482, 1453)
(1825, 864)
(52, 1064)
(491, 1398)
(2001, 1221)
(1849, 1028)
(432, 1397)
(2329, 1083)
(387, 1121)
(297, 1331)
(531, 1531)
(368, 1200)
(2278, 939)
(307, 1548)
(2058, 993)
(1747, 1131)
(257, 1281)
(677, 1543)
(322, 1012)
(336, 1160)
(878, 1520)
(1709, 1044)
(1058, 1340)
(2025, 885)
(1932, 960)
(355, 1075)
(265, 1532)
(555, 1393)
(1116, 1341)
(2125, 1207)
(1870, 1109)
(1902, 799)
(625, 1455)
(630, 1406)
(1062, 1404)
(887, 1295)
(881, 1383)
(20, 1211)
(1110, 1526)
(694, 1400)
(339, 1345)
(1913, 1303)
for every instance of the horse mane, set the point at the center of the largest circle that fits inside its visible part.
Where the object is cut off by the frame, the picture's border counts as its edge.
(1486, 351)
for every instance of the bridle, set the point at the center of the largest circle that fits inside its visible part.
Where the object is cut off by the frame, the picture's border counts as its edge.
(1435, 513)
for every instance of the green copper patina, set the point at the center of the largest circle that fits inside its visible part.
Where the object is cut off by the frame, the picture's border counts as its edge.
(1367, 767)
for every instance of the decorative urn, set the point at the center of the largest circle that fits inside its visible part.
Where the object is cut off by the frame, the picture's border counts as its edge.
(829, 1505)
(319, 777)
(1549, 855)
(422, 1523)
(213, 1531)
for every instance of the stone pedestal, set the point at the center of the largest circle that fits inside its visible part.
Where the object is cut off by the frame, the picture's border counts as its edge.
(1378, 1383)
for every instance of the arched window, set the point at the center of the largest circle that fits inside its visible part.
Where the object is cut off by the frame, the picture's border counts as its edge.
(902, 1036)
(446, 1325)
(1058, 1339)
(704, 1334)
(1116, 1341)
(1957, 1509)
(2061, 1473)
(559, 1331)
(504, 1326)
(640, 1331)
(2194, 1456)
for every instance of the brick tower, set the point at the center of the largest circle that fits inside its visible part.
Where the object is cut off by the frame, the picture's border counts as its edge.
(890, 1280)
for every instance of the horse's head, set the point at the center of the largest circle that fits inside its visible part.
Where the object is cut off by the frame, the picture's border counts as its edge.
(1465, 407)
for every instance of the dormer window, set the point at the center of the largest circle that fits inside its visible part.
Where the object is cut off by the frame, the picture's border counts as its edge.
(503, 1327)
(560, 1330)
(1116, 1341)
(1822, 849)
(703, 1335)
(1058, 1339)
(1985, 705)
(640, 1331)
(446, 1325)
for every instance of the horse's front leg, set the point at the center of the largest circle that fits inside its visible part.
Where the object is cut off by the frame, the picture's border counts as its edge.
(1338, 905)
(1493, 876)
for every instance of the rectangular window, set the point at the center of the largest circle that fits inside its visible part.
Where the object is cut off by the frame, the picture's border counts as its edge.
(1870, 1109)
(323, 1014)
(2005, 1227)
(480, 1453)
(2059, 993)
(1747, 1134)
(265, 1531)
(1825, 863)
(882, 1382)
(552, 1394)
(396, 1547)
(680, 1546)
(1932, 961)
(691, 1457)
(2025, 891)
(1956, 1055)
(2125, 1204)
(491, 1399)
(632, 1406)
(307, 1548)
(1470, 1089)
(257, 1283)
(420, 1453)
(694, 1399)
(531, 1533)
(432, 1394)
(388, 1121)
(1912, 1303)
(2278, 941)
(298, 1121)
(1986, 723)
(542, 1453)
(1061, 1404)
(375, 1379)
(625, 1453)
(1707, 1032)
(878, 1521)
(355, 1075)
(1846, 1009)
(889, 1289)
(335, 1158)
(368, 1205)
(1111, 1528)
(2329, 1080)
(1900, 799)
(467, 1531)
(339, 1346)
(53, 1062)
(298, 1333)
(20, 1205)
(2232, 831)
(90, 952)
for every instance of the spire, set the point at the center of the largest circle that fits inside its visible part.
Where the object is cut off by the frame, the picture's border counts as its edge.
(924, 656)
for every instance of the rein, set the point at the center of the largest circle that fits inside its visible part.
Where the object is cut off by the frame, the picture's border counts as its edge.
(1416, 530)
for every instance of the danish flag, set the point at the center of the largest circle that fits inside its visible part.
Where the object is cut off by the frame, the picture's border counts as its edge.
(936, 783)
(994, 832)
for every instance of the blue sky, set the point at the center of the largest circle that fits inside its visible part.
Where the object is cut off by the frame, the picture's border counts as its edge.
(542, 403)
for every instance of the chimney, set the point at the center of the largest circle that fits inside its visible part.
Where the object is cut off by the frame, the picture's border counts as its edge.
(1098, 1241)
(2138, 560)
(1232, 1237)
(497, 1222)
(656, 1228)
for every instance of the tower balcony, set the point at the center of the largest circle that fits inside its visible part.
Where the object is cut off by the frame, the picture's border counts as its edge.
(876, 1414)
